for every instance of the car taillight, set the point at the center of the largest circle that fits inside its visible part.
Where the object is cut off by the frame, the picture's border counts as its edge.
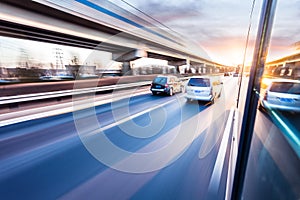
(266, 96)
(166, 85)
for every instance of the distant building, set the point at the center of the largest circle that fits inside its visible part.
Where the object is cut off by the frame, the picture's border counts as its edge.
(81, 70)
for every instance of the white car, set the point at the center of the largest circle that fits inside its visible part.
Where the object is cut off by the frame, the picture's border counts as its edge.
(282, 95)
(203, 88)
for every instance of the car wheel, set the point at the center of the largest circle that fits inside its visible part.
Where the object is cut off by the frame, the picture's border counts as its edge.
(171, 92)
(154, 93)
(261, 108)
(182, 89)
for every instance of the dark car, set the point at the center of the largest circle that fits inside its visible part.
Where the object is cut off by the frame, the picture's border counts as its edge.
(166, 84)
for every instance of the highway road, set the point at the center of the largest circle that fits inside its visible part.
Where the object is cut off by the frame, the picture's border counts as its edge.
(49, 157)
(142, 147)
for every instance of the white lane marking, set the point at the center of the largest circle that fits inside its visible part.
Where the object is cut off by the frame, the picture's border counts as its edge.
(217, 171)
(130, 117)
(232, 156)
(61, 93)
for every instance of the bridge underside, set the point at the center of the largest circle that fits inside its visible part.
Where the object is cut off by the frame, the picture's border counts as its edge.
(191, 66)
(119, 52)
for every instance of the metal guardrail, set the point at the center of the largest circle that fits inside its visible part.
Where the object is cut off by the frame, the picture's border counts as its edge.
(63, 93)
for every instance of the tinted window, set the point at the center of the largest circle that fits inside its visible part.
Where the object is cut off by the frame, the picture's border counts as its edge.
(284, 87)
(200, 82)
(160, 80)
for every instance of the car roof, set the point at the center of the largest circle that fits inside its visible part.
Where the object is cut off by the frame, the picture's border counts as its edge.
(199, 76)
(205, 76)
(285, 80)
(165, 76)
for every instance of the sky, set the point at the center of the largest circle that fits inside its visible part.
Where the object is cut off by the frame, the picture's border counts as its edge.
(220, 26)
(216, 27)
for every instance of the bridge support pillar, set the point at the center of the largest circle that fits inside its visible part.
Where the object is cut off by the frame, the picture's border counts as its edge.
(202, 69)
(126, 69)
(129, 56)
(198, 67)
(126, 57)
(177, 63)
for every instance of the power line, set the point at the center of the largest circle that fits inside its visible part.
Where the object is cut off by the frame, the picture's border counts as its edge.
(149, 16)
(245, 52)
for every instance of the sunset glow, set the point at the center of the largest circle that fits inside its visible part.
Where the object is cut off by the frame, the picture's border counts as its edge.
(220, 27)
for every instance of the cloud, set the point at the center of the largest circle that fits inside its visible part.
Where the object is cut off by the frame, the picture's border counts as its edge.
(199, 20)
(220, 26)
(170, 11)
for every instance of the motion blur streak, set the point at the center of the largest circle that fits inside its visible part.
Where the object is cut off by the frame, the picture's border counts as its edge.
(49, 153)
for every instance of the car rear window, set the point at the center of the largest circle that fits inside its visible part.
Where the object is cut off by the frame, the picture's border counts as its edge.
(160, 80)
(200, 82)
(285, 87)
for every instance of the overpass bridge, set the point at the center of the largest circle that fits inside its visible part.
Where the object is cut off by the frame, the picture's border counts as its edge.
(105, 27)
(288, 67)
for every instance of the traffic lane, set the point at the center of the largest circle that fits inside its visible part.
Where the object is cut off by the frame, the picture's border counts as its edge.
(170, 115)
(273, 166)
(230, 90)
(67, 162)
(128, 184)
(48, 150)
(188, 177)
(56, 159)
(39, 132)
(143, 129)
(47, 172)
(24, 136)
